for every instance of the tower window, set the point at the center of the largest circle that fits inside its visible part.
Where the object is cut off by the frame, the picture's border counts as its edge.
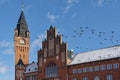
(21, 49)
(23, 56)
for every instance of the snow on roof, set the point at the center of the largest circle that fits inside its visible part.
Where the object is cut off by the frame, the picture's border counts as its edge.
(101, 54)
(33, 67)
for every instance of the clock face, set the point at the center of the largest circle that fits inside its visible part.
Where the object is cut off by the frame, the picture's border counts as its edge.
(22, 41)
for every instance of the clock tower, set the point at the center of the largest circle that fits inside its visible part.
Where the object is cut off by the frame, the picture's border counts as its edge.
(21, 41)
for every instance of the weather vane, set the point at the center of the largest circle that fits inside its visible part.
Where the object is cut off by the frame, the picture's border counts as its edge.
(22, 3)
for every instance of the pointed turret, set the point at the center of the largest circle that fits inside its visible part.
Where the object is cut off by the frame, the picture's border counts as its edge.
(22, 40)
(22, 27)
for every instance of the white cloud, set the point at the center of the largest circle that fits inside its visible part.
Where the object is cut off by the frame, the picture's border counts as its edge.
(52, 17)
(7, 47)
(37, 42)
(67, 8)
(5, 44)
(69, 4)
(100, 3)
(3, 68)
(72, 1)
(36, 45)
(74, 15)
(97, 3)
(28, 7)
(8, 51)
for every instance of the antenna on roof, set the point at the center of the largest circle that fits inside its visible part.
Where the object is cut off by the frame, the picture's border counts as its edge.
(22, 5)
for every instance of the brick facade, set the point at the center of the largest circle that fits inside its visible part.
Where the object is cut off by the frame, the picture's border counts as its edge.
(102, 73)
(91, 70)
(58, 55)
(54, 62)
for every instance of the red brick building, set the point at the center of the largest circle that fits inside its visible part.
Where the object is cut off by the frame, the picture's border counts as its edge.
(55, 62)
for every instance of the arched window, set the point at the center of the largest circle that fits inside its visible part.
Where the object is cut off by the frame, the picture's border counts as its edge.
(51, 70)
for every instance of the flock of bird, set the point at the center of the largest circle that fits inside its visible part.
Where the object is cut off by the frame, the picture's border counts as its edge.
(101, 36)
(92, 33)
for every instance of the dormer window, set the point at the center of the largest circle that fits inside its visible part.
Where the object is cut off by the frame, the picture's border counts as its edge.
(35, 68)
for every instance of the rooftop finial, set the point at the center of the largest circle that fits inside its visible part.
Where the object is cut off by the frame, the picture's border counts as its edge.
(22, 3)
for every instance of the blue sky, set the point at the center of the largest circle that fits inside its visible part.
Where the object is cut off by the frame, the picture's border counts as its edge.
(85, 25)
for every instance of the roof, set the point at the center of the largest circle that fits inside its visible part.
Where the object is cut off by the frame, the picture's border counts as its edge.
(33, 67)
(22, 25)
(101, 54)
(20, 62)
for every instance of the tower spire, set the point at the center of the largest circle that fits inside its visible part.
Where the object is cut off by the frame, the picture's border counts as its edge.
(22, 5)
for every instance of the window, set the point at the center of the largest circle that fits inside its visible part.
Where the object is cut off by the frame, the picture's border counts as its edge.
(75, 79)
(90, 69)
(51, 70)
(116, 65)
(45, 52)
(102, 67)
(51, 47)
(109, 66)
(57, 49)
(109, 77)
(80, 70)
(85, 69)
(96, 68)
(85, 78)
(27, 78)
(32, 77)
(96, 78)
(74, 71)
